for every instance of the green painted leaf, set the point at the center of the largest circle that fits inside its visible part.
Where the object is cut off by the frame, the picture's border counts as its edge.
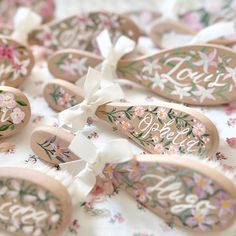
(60, 159)
(21, 103)
(4, 127)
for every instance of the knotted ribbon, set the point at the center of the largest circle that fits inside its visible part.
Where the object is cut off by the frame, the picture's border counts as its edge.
(112, 53)
(24, 22)
(94, 96)
(93, 161)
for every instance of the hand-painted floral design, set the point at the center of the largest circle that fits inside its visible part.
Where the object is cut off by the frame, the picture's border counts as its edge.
(28, 196)
(15, 60)
(54, 149)
(117, 218)
(11, 111)
(208, 13)
(80, 31)
(62, 98)
(166, 189)
(43, 7)
(72, 66)
(160, 130)
(193, 75)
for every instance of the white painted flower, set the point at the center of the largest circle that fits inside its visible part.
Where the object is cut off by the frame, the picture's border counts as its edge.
(41, 194)
(19, 68)
(155, 139)
(3, 190)
(151, 67)
(14, 189)
(28, 229)
(158, 81)
(139, 111)
(199, 129)
(37, 232)
(29, 198)
(17, 115)
(51, 206)
(7, 100)
(74, 66)
(204, 93)
(181, 91)
(161, 113)
(55, 218)
(231, 74)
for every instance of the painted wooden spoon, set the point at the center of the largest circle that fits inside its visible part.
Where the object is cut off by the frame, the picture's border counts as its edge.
(14, 111)
(195, 74)
(80, 31)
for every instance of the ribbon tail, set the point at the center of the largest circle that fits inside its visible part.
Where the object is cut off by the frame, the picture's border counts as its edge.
(73, 167)
(25, 21)
(104, 43)
(116, 151)
(83, 147)
(214, 32)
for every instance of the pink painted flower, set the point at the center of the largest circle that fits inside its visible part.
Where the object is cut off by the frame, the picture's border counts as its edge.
(161, 113)
(108, 21)
(119, 218)
(200, 219)
(231, 74)
(6, 147)
(7, 100)
(19, 68)
(173, 149)
(231, 142)
(29, 198)
(206, 60)
(7, 52)
(199, 129)
(125, 125)
(141, 193)
(17, 115)
(159, 149)
(204, 93)
(225, 204)
(47, 37)
(202, 185)
(135, 170)
(139, 111)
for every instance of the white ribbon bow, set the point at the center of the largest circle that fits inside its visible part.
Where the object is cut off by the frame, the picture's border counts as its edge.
(93, 161)
(94, 96)
(24, 22)
(112, 53)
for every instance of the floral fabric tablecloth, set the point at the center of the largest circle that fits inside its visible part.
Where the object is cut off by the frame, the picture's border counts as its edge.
(110, 211)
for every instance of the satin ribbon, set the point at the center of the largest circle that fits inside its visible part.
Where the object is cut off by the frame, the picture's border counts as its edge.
(112, 53)
(207, 34)
(93, 161)
(94, 96)
(24, 22)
